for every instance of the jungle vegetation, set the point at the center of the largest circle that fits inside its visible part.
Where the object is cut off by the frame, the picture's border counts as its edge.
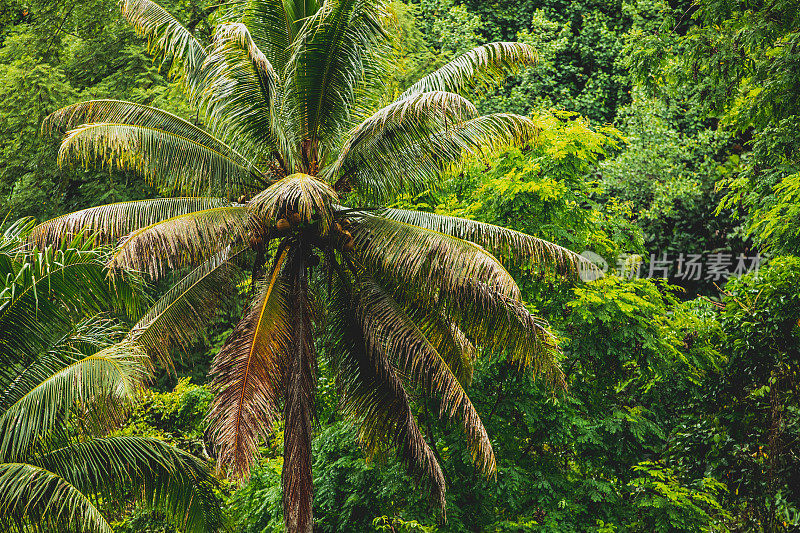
(314, 266)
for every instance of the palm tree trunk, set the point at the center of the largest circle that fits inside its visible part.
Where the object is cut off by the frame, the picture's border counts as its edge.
(299, 409)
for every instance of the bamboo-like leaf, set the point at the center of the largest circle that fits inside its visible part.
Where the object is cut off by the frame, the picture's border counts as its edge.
(174, 162)
(484, 65)
(109, 223)
(426, 258)
(184, 311)
(42, 295)
(515, 247)
(183, 240)
(35, 499)
(387, 325)
(248, 374)
(168, 39)
(150, 470)
(111, 375)
(306, 195)
(373, 394)
(299, 410)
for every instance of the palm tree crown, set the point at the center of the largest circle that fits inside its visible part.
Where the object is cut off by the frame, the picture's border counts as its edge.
(299, 152)
(64, 381)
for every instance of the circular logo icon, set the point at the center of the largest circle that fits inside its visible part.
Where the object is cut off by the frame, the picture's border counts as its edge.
(593, 267)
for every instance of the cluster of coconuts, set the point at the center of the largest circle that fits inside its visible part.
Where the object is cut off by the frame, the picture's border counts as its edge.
(339, 234)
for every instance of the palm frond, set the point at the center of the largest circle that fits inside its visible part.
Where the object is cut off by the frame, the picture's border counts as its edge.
(328, 58)
(446, 337)
(309, 197)
(401, 126)
(187, 239)
(372, 394)
(299, 410)
(100, 384)
(243, 93)
(85, 337)
(484, 65)
(109, 223)
(169, 40)
(174, 162)
(158, 475)
(13, 238)
(514, 247)
(498, 321)
(248, 374)
(426, 258)
(386, 325)
(179, 316)
(405, 162)
(274, 25)
(133, 114)
(35, 499)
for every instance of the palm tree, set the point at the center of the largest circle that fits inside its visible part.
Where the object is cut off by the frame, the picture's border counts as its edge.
(64, 382)
(288, 175)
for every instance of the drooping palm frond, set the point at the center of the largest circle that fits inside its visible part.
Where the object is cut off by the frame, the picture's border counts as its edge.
(274, 25)
(242, 98)
(446, 337)
(399, 127)
(496, 320)
(111, 375)
(388, 326)
(173, 162)
(407, 163)
(515, 247)
(484, 65)
(109, 223)
(373, 395)
(35, 499)
(299, 409)
(426, 258)
(168, 40)
(329, 55)
(184, 240)
(155, 473)
(184, 311)
(309, 197)
(248, 374)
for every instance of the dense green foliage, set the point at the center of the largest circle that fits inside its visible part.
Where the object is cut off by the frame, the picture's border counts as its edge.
(666, 127)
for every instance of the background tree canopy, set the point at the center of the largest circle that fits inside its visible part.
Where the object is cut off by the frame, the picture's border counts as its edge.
(663, 128)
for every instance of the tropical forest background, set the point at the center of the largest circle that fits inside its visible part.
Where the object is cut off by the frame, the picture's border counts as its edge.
(668, 148)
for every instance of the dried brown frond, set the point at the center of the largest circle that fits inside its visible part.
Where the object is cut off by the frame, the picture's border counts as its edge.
(248, 374)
